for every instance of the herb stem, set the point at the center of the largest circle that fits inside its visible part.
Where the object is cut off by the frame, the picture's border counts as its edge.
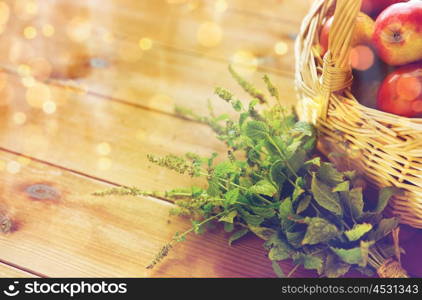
(283, 155)
(292, 271)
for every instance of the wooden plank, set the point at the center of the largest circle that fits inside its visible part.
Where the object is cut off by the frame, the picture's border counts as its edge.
(7, 271)
(60, 230)
(284, 10)
(162, 79)
(94, 136)
(159, 78)
(202, 27)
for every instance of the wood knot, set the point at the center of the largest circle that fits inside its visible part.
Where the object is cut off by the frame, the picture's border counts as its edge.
(42, 192)
(6, 224)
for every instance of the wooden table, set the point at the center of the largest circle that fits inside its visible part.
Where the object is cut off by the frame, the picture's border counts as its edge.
(88, 89)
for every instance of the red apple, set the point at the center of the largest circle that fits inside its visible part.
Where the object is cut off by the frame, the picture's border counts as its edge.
(374, 7)
(401, 92)
(364, 30)
(398, 33)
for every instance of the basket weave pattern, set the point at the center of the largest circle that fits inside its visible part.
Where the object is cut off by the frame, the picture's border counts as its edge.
(385, 147)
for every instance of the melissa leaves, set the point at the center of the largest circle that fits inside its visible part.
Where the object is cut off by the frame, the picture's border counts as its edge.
(358, 231)
(325, 197)
(384, 196)
(319, 231)
(274, 185)
(256, 130)
(263, 187)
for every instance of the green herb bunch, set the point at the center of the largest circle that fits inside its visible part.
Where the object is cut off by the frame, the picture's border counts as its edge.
(273, 184)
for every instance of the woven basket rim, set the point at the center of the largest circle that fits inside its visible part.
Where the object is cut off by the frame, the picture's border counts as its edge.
(380, 112)
(389, 145)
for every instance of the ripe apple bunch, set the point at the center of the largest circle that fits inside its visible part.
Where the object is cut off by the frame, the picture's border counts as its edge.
(386, 55)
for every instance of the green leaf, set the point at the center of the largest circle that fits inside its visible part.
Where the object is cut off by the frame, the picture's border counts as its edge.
(293, 146)
(303, 204)
(342, 187)
(351, 256)
(299, 189)
(277, 269)
(250, 219)
(224, 168)
(277, 173)
(319, 231)
(384, 197)
(229, 218)
(334, 267)
(305, 128)
(232, 196)
(314, 161)
(265, 212)
(329, 174)
(325, 197)
(296, 161)
(257, 130)
(309, 262)
(279, 249)
(295, 238)
(384, 227)
(354, 201)
(237, 235)
(263, 187)
(285, 209)
(358, 231)
(262, 232)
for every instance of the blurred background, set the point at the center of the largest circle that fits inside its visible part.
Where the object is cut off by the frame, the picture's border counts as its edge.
(75, 71)
(88, 88)
(153, 53)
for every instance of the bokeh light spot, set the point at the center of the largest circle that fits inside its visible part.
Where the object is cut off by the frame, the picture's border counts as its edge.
(30, 32)
(28, 81)
(103, 149)
(24, 70)
(361, 57)
(13, 167)
(221, 6)
(209, 34)
(79, 29)
(104, 163)
(37, 95)
(145, 43)
(245, 61)
(48, 30)
(408, 87)
(281, 48)
(19, 118)
(49, 107)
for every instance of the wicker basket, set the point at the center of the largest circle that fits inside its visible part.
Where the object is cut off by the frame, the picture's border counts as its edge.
(385, 147)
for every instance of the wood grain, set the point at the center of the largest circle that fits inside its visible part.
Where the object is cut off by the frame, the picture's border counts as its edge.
(98, 137)
(162, 79)
(206, 28)
(61, 230)
(7, 271)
